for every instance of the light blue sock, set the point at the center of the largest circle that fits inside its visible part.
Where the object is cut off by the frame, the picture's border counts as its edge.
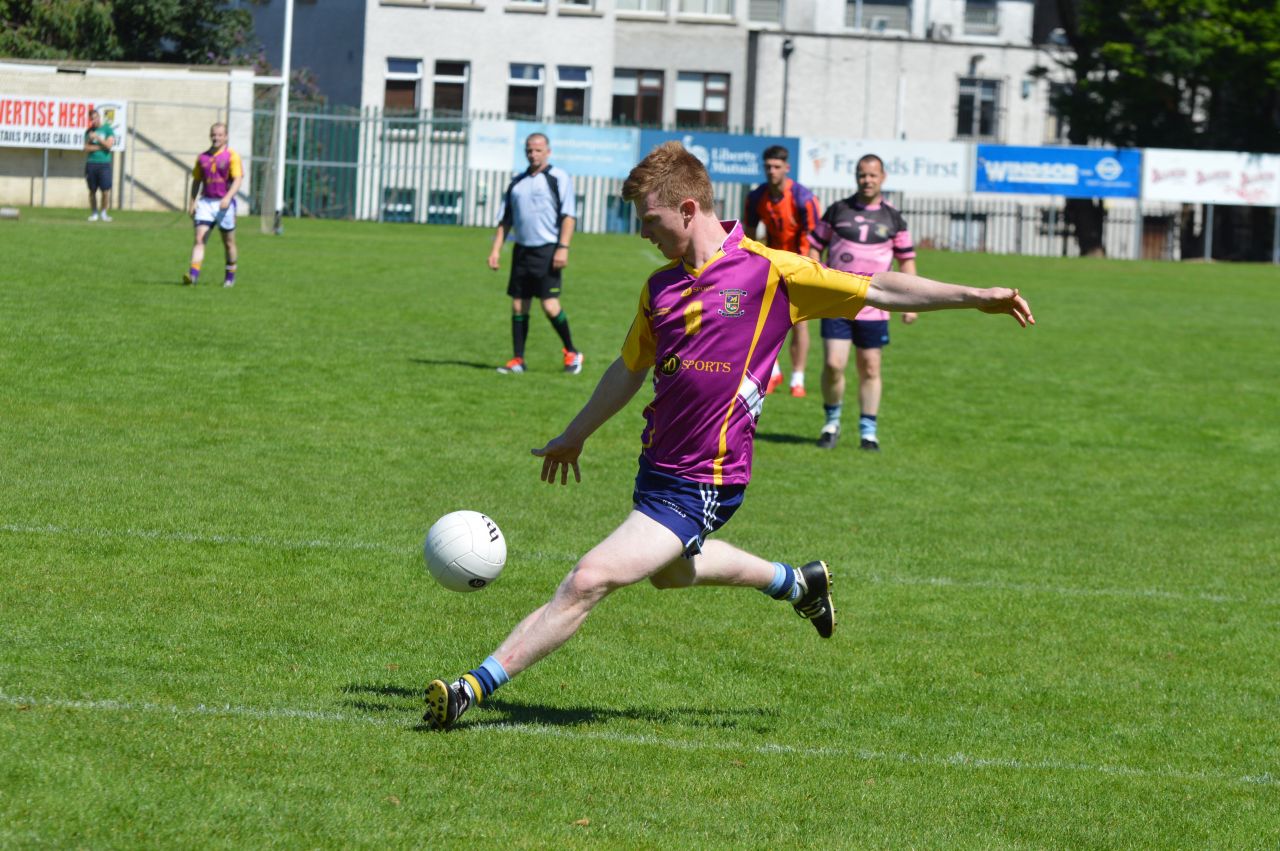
(488, 677)
(833, 414)
(784, 585)
(867, 426)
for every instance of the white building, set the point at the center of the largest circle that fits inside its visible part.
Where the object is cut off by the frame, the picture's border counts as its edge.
(925, 70)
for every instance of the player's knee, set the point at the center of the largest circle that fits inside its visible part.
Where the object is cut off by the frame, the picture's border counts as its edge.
(588, 581)
(678, 574)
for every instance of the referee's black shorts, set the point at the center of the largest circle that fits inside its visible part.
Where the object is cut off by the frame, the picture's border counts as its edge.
(531, 273)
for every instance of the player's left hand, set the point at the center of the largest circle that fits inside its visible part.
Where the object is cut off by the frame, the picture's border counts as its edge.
(1005, 300)
(908, 318)
(560, 259)
(557, 457)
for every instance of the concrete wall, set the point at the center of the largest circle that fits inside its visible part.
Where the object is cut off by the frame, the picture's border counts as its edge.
(170, 109)
(868, 87)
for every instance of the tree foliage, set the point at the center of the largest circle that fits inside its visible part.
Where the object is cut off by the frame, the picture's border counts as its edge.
(1173, 73)
(193, 32)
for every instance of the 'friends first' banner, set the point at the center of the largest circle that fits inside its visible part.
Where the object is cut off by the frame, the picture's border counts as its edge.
(28, 121)
(1069, 172)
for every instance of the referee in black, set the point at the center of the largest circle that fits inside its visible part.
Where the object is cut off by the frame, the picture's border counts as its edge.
(538, 214)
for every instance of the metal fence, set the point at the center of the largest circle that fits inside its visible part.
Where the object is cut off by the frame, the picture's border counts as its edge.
(375, 166)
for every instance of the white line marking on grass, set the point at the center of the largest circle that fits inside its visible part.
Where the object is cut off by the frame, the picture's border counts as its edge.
(957, 760)
(196, 538)
(1147, 593)
(268, 542)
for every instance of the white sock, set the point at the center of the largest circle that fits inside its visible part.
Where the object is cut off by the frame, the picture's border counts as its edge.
(797, 378)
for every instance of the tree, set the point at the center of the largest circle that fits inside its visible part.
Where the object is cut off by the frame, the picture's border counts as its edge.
(1168, 73)
(193, 32)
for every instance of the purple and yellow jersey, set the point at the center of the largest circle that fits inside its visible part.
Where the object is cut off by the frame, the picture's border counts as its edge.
(711, 336)
(863, 240)
(216, 171)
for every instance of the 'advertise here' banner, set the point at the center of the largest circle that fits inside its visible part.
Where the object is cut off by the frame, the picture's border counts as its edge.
(28, 121)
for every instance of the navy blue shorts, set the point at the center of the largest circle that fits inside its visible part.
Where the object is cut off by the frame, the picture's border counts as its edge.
(691, 510)
(98, 176)
(865, 333)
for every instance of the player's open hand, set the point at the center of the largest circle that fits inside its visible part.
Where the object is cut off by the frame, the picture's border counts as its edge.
(557, 457)
(1005, 300)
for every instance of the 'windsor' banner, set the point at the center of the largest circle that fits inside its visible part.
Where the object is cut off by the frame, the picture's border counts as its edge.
(729, 158)
(1070, 172)
(36, 121)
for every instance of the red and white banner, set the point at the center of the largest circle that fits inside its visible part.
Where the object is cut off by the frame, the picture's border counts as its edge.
(28, 121)
(1210, 177)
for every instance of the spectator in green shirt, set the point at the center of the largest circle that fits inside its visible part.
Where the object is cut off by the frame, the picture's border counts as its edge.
(99, 139)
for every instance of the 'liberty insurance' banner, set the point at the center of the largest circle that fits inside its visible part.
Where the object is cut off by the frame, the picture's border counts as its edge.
(1069, 172)
(728, 158)
(36, 121)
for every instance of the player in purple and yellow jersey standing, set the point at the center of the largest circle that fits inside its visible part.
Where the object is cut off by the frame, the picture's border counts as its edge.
(860, 234)
(789, 211)
(214, 182)
(708, 326)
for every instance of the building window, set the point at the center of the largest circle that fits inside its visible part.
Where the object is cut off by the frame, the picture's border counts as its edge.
(449, 97)
(637, 96)
(978, 112)
(404, 76)
(981, 17)
(524, 91)
(1055, 123)
(878, 15)
(573, 89)
(654, 6)
(711, 8)
(578, 4)
(765, 12)
(702, 100)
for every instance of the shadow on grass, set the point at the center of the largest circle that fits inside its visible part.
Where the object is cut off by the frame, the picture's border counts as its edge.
(498, 712)
(774, 437)
(466, 363)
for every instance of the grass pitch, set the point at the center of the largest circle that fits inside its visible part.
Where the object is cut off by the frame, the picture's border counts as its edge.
(1057, 584)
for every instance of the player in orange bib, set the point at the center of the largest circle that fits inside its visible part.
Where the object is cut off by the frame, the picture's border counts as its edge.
(789, 211)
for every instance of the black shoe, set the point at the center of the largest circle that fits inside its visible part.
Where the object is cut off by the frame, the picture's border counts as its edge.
(829, 437)
(445, 703)
(870, 444)
(815, 603)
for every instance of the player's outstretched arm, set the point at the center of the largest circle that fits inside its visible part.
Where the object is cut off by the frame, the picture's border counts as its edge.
(902, 292)
(616, 387)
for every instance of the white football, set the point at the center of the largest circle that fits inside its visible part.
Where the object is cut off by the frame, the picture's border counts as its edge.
(465, 551)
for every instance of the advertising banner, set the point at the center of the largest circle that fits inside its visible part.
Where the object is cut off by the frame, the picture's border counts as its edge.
(37, 121)
(1070, 172)
(728, 158)
(1211, 177)
(919, 167)
(581, 151)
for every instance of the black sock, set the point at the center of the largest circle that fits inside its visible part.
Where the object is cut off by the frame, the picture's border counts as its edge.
(519, 333)
(560, 322)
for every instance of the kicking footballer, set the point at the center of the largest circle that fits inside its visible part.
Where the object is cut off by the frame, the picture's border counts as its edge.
(709, 325)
